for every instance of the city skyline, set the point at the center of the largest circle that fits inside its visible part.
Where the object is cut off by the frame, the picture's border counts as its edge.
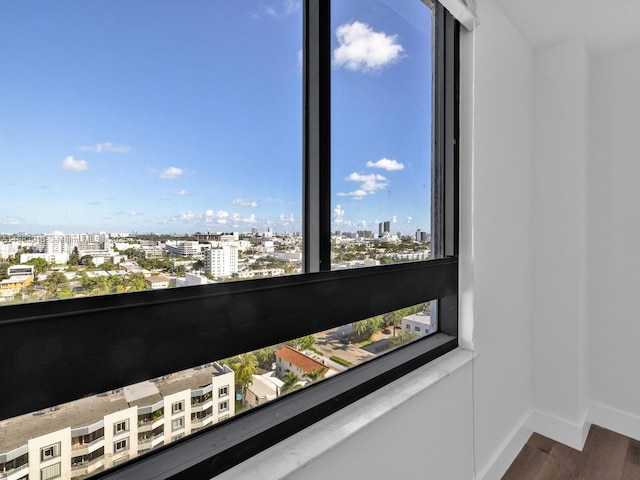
(166, 118)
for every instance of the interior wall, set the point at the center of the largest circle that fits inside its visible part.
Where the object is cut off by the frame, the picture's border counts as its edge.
(614, 229)
(427, 437)
(502, 171)
(559, 234)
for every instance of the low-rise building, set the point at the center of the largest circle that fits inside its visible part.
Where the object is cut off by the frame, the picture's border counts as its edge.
(419, 323)
(291, 360)
(157, 282)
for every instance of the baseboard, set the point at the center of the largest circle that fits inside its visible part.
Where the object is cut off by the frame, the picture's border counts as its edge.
(571, 434)
(506, 454)
(616, 420)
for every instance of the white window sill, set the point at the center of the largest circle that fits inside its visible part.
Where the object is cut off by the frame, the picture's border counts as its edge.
(295, 452)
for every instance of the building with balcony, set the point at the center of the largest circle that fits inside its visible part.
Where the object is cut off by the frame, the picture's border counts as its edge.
(92, 434)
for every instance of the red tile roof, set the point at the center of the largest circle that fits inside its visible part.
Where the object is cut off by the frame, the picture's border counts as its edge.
(300, 360)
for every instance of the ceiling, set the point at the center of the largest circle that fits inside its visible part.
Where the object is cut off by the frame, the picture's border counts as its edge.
(606, 25)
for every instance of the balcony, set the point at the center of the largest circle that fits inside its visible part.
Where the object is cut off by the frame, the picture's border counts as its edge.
(198, 407)
(202, 422)
(15, 473)
(86, 448)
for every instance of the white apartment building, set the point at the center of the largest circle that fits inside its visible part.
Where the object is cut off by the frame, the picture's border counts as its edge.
(183, 249)
(8, 249)
(51, 258)
(221, 261)
(95, 433)
(419, 323)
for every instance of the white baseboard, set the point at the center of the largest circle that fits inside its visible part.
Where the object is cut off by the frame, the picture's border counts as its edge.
(571, 434)
(506, 454)
(616, 420)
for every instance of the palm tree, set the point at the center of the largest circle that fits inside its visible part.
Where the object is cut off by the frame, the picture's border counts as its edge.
(315, 374)
(244, 367)
(290, 380)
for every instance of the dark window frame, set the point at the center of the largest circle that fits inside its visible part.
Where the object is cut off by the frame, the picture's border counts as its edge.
(114, 340)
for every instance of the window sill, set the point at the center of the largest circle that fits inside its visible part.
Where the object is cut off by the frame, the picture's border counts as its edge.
(292, 454)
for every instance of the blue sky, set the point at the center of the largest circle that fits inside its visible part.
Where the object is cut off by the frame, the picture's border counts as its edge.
(182, 116)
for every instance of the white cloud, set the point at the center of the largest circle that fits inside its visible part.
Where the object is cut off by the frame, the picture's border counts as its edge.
(73, 165)
(356, 195)
(292, 218)
(363, 49)
(386, 164)
(135, 214)
(368, 185)
(221, 217)
(285, 8)
(171, 172)
(408, 220)
(209, 213)
(338, 214)
(106, 147)
(182, 192)
(245, 203)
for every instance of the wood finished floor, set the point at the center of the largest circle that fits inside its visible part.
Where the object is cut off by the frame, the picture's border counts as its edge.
(606, 456)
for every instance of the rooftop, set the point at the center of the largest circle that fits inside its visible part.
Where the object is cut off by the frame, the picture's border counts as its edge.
(16, 432)
(300, 360)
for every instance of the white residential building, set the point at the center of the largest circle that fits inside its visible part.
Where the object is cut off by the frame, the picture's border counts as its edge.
(95, 433)
(183, 249)
(221, 261)
(419, 323)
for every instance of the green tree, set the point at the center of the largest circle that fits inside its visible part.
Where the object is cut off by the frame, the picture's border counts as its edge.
(360, 328)
(302, 343)
(87, 260)
(136, 282)
(53, 282)
(290, 380)
(244, 366)
(401, 339)
(315, 374)
(40, 265)
(74, 258)
(266, 357)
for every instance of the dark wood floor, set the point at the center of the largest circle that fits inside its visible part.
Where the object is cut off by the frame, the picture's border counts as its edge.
(606, 456)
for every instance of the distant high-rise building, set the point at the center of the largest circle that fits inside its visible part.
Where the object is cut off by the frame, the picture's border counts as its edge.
(221, 261)
(384, 227)
(422, 236)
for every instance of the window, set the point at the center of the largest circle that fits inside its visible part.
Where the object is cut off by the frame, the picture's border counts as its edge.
(121, 445)
(52, 471)
(177, 423)
(49, 452)
(121, 427)
(140, 327)
(223, 392)
(177, 407)
(417, 329)
(223, 406)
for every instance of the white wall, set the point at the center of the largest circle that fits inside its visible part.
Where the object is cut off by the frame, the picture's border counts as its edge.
(614, 230)
(559, 234)
(501, 227)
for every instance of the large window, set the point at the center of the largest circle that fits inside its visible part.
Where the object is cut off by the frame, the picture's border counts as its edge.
(110, 341)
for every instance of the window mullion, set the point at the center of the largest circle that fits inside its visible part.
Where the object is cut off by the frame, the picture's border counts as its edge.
(317, 136)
